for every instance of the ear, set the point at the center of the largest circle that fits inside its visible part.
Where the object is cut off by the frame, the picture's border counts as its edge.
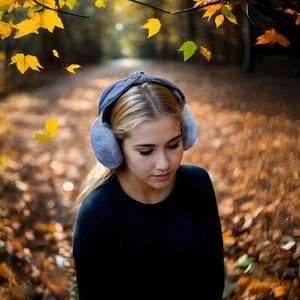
(188, 129)
(105, 145)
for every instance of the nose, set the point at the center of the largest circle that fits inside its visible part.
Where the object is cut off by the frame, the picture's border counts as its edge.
(162, 162)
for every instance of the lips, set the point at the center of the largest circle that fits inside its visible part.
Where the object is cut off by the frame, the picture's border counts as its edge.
(162, 177)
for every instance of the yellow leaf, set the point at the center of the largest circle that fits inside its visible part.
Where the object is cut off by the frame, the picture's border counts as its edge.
(219, 19)
(210, 10)
(71, 68)
(51, 127)
(47, 19)
(26, 27)
(226, 11)
(24, 62)
(55, 53)
(153, 25)
(100, 3)
(205, 52)
(5, 30)
(271, 37)
(42, 137)
(50, 131)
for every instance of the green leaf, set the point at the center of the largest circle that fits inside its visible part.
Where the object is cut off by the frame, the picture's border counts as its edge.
(243, 261)
(188, 48)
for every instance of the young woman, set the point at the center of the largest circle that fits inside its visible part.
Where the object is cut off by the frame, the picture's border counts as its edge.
(148, 225)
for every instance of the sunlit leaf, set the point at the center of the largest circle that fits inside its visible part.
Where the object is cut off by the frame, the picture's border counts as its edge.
(226, 11)
(50, 131)
(210, 10)
(26, 27)
(72, 3)
(100, 3)
(72, 68)
(271, 37)
(51, 127)
(219, 19)
(24, 62)
(205, 52)
(5, 30)
(55, 53)
(188, 48)
(153, 25)
(47, 19)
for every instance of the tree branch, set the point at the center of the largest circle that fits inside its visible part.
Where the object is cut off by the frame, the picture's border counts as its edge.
(60, 11)
(180, 11)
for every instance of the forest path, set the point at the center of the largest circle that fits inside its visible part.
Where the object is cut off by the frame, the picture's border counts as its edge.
(248, 140)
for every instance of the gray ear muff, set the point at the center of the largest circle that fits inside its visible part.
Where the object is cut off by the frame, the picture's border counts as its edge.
(188, 128)
(105, 145)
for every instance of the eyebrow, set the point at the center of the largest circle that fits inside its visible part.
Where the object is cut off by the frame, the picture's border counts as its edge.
(151, 145)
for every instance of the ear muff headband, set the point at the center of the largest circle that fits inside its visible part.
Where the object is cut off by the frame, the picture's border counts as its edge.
(103, 141)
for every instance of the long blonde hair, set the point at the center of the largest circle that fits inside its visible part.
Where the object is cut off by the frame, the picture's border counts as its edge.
(140, 103)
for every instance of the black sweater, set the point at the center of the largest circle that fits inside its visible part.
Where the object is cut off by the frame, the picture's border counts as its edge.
(173, 249)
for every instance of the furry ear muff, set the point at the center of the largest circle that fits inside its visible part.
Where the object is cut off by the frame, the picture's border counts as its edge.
(103, 141)
(105, 145)
(188, 129)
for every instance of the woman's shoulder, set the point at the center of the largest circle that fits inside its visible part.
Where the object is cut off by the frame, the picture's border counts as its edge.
(192, 170)
(99, 200)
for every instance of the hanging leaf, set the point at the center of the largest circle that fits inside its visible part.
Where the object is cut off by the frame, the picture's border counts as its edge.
(153, 25)
(188, 48)
(24, 62)
(271, 37)
(219, 19)
(205, 52)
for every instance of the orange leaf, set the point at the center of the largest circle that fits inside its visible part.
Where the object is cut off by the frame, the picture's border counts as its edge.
(271, 37)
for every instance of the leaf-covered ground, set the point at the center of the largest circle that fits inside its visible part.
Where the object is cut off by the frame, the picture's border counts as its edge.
(248, 141)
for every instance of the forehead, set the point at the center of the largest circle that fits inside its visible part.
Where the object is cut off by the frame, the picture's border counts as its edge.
(161, 129)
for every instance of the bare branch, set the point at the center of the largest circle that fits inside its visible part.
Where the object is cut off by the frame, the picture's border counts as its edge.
(180, 11)
(60, 11)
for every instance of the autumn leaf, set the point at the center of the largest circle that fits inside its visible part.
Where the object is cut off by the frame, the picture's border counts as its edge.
(25, 27)
(5, 30)
(100, 3)
(188, 48)
(153, 25)
(47, 19)
(210, 10)
(205, 52)
(24, 62)
(271, 37)
(219, 19)
(55, 53)
(50, 131)
(227, 12)
(71, 68)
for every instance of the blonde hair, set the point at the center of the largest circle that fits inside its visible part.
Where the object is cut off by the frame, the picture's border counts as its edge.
(140, 103)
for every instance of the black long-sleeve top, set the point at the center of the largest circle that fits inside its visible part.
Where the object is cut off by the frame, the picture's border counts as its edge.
(172, 249)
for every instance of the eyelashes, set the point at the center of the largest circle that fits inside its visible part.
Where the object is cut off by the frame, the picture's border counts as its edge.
(148, 152)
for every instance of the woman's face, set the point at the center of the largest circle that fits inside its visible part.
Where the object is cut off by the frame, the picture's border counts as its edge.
(153, 151)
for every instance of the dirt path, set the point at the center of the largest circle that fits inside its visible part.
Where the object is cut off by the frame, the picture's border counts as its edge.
(248, 140)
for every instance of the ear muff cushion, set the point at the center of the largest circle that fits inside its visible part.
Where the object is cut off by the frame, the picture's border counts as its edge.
(105, 145)
(188, 128)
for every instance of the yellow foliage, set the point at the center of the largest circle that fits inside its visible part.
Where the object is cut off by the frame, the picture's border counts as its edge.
(219, 19)
(26, 27)
(24, 62)
(47, 19)
(5, 30)
(271, 37)
(71, 68)
(50, 131)
(153, 25)
(205, 52)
